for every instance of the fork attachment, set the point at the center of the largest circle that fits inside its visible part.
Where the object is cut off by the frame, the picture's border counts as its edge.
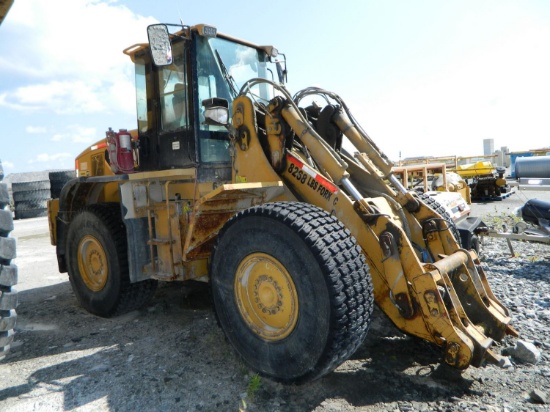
(462, 312)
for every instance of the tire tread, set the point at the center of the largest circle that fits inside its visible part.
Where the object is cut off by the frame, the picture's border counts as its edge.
(132, 295)
(8, 274)
(346, 275)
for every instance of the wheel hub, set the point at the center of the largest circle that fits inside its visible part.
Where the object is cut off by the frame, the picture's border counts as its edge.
(92, 263)
(266, 296)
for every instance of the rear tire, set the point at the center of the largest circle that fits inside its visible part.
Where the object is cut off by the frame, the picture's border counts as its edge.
(97, 259)
(291, 290)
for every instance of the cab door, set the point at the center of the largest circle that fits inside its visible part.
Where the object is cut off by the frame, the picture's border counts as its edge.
(146, 108)
(176, 137)
(166, 136)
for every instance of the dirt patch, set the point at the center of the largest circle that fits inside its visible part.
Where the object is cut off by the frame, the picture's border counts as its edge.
(171, 354)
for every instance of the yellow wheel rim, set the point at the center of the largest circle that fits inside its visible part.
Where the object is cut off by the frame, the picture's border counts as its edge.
(92, 263)
(266, 296)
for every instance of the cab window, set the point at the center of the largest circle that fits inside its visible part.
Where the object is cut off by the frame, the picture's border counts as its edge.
(173, 88)
(144, 91)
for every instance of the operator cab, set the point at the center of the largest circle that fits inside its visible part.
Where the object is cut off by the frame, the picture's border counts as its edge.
(175, 73)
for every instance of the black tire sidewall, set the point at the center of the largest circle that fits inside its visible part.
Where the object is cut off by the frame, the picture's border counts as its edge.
(31, 204)
(309, 339)
(30, 195)
(103, 302)
(8, 274)
(437, 207)
(29, 186)
(475, 244)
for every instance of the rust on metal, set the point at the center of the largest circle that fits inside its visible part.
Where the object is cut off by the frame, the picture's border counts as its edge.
(212, 211)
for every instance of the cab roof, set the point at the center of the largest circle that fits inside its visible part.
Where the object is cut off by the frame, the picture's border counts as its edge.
(185, 32)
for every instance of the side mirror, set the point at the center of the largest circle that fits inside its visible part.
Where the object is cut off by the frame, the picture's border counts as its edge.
(280, 62)
(159, 41)
(216, 111)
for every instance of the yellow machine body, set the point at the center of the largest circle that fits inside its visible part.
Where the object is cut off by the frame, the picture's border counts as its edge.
(422, 278)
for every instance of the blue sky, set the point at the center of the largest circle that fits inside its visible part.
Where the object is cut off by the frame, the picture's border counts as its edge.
(422, 77)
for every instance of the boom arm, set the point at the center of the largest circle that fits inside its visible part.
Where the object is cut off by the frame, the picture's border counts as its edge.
(423, 281)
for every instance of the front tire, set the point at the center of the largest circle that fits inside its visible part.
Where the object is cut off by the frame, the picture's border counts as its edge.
(291, 290)
(98, 263)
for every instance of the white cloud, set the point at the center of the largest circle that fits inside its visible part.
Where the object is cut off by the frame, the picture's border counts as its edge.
(72, 64)
(46, 157)
(60, 97)
(77, 134)
(499, 90)
(36, 129)
(6, 101)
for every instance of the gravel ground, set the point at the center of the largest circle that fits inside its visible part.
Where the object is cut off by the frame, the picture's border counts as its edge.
(171, 355)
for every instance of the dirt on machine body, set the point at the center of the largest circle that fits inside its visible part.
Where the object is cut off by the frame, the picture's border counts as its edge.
(282, 202)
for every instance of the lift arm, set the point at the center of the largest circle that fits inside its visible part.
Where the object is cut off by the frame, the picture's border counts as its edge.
(423, 280)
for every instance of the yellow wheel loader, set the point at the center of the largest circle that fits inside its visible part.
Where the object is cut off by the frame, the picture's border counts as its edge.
(283, 203)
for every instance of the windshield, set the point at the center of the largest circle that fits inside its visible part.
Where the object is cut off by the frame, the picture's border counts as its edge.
(223, 67)
(232, 64)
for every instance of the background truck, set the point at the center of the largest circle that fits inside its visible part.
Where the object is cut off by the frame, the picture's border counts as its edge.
(284, 205)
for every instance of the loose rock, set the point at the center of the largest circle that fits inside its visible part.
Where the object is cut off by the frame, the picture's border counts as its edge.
(525, 352)
(180, 360)
(538, 396)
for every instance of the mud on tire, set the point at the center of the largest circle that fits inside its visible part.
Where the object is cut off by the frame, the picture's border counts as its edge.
(291, 290)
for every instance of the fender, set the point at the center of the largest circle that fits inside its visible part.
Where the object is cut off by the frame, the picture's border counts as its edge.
(75, 195)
